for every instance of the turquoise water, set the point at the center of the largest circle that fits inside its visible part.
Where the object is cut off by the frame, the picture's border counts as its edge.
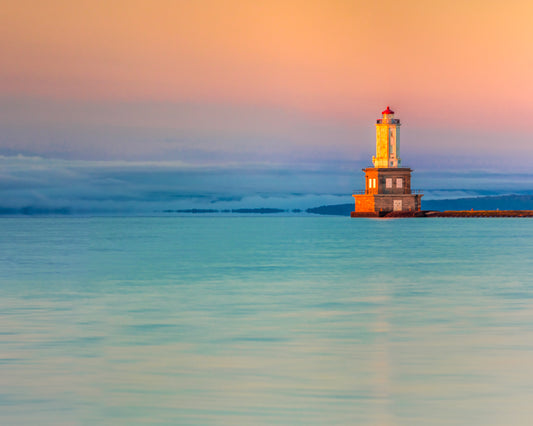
(266, 320)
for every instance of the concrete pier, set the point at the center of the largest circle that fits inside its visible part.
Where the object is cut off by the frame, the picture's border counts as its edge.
(432, 213)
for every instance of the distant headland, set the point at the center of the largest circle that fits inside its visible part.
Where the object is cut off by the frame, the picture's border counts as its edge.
(494, 206)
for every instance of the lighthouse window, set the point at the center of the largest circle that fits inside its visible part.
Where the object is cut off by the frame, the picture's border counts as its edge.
(399, 183)
(388, 183)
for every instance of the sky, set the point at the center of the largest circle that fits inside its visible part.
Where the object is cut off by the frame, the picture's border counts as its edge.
(283, 86)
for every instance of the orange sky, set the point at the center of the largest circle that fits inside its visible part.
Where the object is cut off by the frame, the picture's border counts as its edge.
(441, 63)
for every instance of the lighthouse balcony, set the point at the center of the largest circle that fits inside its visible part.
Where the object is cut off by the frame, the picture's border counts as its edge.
(406, 191)
(389, 121)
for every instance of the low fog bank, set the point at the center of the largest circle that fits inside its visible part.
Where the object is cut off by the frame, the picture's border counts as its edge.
(34, 185)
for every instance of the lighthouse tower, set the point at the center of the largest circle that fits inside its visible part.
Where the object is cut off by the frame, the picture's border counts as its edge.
(387, 141)
(387, 185)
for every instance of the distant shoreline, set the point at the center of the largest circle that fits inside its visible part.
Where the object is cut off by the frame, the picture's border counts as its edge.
(488, 206)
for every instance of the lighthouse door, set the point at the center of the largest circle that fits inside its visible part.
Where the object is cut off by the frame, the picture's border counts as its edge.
(397, 206)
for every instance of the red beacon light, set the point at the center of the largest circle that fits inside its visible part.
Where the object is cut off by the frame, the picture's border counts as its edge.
(387, 111)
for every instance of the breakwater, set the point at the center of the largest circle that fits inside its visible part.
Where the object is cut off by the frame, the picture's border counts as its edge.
(461, 213)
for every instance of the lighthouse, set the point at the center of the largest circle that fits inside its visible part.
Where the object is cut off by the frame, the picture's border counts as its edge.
(387, 184)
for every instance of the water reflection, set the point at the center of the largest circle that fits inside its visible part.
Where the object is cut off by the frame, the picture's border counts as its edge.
(323, 331)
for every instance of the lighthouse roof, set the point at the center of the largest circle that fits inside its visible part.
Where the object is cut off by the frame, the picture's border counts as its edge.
(388, 111)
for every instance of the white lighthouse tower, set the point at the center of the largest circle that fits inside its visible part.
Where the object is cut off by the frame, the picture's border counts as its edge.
(387, 141)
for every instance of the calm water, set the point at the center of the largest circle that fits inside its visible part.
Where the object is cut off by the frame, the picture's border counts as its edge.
(266, 320)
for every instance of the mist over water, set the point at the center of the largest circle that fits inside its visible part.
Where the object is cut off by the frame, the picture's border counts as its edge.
(33, 184)
(266, 320)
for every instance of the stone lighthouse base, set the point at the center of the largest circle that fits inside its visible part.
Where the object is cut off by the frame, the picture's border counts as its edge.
(379, 205)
